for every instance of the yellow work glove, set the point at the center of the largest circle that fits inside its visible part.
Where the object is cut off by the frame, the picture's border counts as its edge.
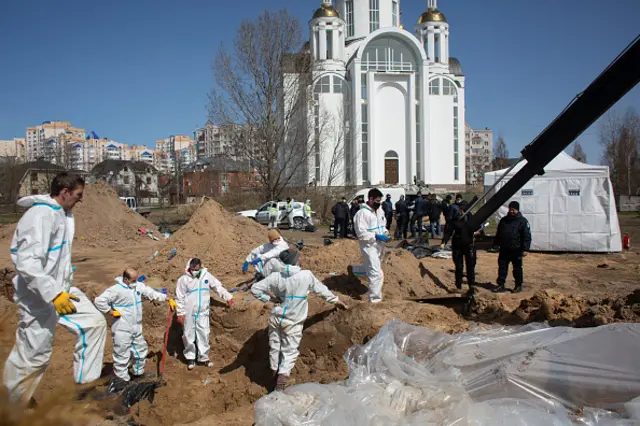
(116, 314)
(173, 305)
(63, 304)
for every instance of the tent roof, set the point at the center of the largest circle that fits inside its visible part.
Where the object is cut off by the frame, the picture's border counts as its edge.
(561, 166)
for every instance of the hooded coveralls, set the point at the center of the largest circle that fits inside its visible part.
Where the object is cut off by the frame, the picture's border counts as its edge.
(192, 298)
(41, 253)
(126, 330)
(268, 254)
(367, 224)
(289, 289)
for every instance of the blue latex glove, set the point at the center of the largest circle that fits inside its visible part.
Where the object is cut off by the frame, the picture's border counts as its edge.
(382, 237)
(255, 261)
(245, 267)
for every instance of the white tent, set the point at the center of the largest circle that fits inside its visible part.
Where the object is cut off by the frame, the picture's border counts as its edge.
(570, 208)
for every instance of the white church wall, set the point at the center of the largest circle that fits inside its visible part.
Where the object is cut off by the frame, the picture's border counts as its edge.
(440, 163)
(390, 126)
(331, 141)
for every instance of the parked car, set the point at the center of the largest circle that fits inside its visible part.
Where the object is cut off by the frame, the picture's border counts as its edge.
(261, 214)
(132, 203)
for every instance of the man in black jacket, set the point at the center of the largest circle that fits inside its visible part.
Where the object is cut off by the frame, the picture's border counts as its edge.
(387, 207)
(514, 238)
(355, 208)
(462, 245)
(419, 211)
(402, 216)
(340, 218)
(434, 209)
(446, 207)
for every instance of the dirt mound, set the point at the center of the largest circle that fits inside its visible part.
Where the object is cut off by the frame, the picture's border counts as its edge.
(404, 275)
(103, 220)
(239, 345)
(558, 309)
(6, 235)
(578, 311)
(219, 238)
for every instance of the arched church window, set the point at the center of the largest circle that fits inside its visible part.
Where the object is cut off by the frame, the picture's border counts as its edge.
(434, 86)
(323, 85)
(388, 54)
(338, 84)
(391, 154)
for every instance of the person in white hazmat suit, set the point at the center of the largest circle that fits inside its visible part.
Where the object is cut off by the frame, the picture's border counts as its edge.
(288, 287)
(192, 296)
(123, 301)
(41, 253)
(371, 230)
(265, 257)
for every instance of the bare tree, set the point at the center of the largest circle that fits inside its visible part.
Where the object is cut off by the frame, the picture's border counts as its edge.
(620, 139)
(10, 179)
(500, 155)
(261, 95)
(578, 153)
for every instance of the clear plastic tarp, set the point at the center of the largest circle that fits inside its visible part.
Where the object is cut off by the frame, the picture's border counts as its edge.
(532, 375)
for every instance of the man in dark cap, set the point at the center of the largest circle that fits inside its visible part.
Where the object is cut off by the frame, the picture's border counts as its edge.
(514, 238)
(462, 245)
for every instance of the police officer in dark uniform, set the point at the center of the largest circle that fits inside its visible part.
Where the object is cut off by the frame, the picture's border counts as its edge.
(462, 245)
(514, 238)
(402, 218)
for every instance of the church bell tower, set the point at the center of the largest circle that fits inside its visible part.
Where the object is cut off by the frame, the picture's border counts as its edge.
(432, 30)
(327, 32)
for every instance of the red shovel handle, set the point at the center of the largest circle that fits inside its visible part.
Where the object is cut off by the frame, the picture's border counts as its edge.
(166, 340)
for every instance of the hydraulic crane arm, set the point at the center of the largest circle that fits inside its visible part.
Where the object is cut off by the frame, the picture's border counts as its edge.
(614, 82)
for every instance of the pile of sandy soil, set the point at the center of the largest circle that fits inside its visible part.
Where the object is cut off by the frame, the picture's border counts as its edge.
(558, 309)
(217, 237)
(104, 220)
(574, 310)
(404, 275)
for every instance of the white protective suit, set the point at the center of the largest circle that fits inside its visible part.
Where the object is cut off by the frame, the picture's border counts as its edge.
(367, 224)
(127, 329)
(41, 253)
(289, 289)
(268, 254)
(192, 298)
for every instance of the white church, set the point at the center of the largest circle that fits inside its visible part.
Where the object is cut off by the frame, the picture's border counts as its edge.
(399, 94)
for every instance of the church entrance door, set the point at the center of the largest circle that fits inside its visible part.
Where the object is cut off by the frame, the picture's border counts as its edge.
(391, 169)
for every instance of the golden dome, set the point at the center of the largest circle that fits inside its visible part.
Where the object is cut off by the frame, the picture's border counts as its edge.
(326, 11)
(432, 15)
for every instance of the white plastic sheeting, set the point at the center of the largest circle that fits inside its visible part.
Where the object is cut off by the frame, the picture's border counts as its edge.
(528, 376)
(571, 207)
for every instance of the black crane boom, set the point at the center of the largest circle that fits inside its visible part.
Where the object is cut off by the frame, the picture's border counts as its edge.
(614, 82)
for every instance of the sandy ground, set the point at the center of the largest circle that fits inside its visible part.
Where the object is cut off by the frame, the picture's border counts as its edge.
(564, 289)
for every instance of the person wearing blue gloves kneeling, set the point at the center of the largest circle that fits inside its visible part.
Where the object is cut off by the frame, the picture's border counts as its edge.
(372, 233)
(265, 257)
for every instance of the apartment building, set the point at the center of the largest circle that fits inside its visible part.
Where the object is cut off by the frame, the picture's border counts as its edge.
(478, 150)
(43, 140)
(14, 148)
(178, 147)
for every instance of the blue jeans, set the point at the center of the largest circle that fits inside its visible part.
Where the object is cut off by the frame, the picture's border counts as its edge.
(435, 228)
